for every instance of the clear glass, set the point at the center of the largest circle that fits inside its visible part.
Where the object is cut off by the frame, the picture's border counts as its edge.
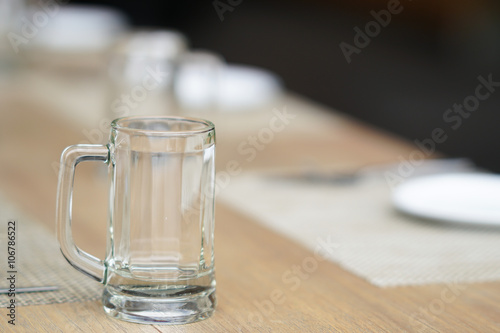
(160, 257)
(141, 69)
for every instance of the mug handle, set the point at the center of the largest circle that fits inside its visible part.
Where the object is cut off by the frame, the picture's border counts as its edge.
(70, 157)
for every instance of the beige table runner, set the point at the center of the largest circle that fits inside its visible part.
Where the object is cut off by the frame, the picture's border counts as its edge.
(371, 239)
(39, 262)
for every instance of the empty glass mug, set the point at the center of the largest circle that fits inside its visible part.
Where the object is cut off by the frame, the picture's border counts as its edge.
(159, 266)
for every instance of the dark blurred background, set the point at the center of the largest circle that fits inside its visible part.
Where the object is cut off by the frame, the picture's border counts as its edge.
(423, 62)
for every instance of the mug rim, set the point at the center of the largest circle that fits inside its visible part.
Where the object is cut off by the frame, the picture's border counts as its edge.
(208, 125)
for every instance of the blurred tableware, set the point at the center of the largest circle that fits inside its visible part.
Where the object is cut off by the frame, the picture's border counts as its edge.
(141, 70)
(159, 266)
(471, 198)
(64, 60)
(311, 174)
(204, 83)
(246, 88)
(73, 36)
(81, 29)
(404, 169)
(197, 80)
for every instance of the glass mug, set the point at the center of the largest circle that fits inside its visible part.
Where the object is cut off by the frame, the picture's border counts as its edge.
(159, 265)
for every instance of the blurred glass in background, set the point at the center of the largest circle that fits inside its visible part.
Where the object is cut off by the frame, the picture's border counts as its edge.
(142, 67)
(197, 80)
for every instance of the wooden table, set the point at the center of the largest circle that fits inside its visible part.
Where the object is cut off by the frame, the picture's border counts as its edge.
(250, 259)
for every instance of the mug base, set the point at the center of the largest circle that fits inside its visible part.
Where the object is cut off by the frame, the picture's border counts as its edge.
(147, 306)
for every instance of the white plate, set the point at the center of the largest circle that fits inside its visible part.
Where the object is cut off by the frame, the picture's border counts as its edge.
(472, 198)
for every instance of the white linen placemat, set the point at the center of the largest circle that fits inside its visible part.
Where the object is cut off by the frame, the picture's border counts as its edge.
(372, 240)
